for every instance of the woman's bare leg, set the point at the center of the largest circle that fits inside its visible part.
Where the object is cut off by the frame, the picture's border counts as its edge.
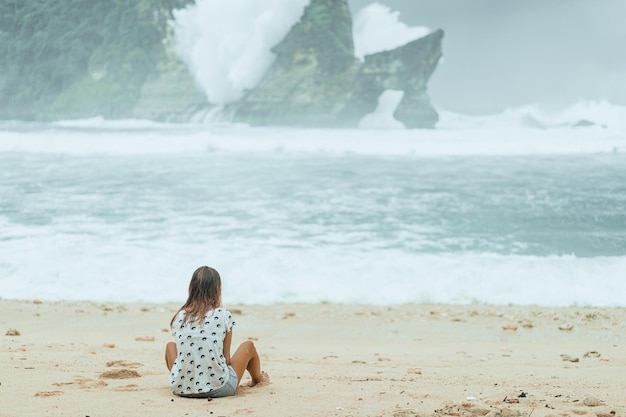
(247, 358)
(170, 354)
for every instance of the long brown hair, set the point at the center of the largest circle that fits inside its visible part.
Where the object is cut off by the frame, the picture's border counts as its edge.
(205, 294)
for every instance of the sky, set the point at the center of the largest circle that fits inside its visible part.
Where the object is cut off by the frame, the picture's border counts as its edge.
(508, 54)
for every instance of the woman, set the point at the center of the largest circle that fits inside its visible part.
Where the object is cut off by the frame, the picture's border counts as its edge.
(199, 358)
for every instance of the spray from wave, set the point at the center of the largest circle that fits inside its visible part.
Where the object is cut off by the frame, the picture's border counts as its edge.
(378, 28)
(226, 43)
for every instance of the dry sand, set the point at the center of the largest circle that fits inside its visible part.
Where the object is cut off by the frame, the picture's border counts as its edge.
(91, 359)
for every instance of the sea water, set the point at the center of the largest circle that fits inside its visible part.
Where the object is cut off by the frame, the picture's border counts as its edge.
(126, 210)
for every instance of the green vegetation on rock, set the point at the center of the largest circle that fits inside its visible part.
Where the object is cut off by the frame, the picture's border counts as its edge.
(78, 58)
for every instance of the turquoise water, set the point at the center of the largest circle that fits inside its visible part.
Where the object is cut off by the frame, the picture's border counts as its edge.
(291, 224)
(558, 205)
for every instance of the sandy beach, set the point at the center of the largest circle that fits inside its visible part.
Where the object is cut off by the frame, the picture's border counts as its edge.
(93, 359)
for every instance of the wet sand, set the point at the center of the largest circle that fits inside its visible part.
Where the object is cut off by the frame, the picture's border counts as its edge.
(94, 359)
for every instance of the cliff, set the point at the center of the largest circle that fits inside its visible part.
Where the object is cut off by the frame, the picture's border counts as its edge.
(76, 59)
(116, 59)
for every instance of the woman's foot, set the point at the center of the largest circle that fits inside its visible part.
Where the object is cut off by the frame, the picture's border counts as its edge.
(265, 379)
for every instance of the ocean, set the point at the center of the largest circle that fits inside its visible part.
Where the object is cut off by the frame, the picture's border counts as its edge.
(480, 210)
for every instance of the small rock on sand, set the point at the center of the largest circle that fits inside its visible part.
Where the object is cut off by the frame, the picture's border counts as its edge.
(509, 327)
(12, 332)
(566, 327)
(592, 402)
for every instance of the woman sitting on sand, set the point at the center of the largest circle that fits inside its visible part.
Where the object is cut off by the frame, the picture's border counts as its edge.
(199, 360)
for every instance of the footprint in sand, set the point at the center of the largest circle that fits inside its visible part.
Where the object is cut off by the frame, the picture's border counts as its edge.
(145, 339)
(127, 388)
(123, 373)
(124, 364)
(84, 383)
(48, 393)
(120, 374)
(469, 410)
(241, 411)
(406, 413)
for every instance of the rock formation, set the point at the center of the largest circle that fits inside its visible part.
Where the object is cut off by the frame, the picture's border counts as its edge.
(317, 81)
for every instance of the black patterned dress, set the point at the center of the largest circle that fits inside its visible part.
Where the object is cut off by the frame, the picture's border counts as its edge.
(200, 366)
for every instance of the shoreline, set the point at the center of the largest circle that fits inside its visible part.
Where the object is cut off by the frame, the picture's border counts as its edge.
(102, 359)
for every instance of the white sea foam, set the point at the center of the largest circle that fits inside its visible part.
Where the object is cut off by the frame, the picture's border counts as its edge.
(382, 117)
(100, 122)
(581, 114)
(72, 268)
(598, 114)
(458, 135)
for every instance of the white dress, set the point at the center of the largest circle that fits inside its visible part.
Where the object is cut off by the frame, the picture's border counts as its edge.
(200, 366)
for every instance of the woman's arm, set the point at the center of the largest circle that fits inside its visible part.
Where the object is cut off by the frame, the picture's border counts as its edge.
(226, 349)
